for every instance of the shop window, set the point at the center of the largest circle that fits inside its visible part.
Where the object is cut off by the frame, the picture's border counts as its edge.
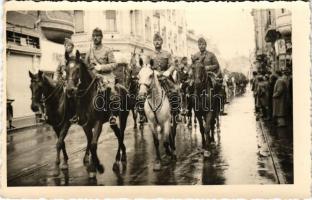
(22, 40)
(111, 25)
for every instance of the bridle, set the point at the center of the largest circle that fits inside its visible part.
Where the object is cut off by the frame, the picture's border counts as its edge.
(148, 94)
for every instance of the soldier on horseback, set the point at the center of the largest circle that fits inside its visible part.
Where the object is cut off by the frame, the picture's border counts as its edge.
(162, 62)
(60, 73)
(101, 61)
(210, 61)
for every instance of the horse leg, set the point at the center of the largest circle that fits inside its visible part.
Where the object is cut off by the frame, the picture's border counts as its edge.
(123, 123)
(134, 115)
(87, 153)
(65, 156)
(208, 129)
(95, 162)
(172, 135)
(117, 158)
(60, 145)
(202, 130)
(56, 170)
(157, 164)
(167, 140)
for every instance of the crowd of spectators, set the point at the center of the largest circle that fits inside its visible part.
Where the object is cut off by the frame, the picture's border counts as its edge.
(273, 95)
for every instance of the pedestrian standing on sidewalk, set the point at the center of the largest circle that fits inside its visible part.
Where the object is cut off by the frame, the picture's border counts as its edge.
(272, 81)
(279, 100)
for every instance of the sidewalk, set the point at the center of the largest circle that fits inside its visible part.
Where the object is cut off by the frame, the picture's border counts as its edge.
(24, 123)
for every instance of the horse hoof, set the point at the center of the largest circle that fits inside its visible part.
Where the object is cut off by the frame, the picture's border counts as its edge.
(207, 154)
(56, 172)
(100, 168)
(116, 167)
(156, 166)
(92, 175)
(64, 166)
(124, 158)
(141, 126)
(86, 160)
(174, 157)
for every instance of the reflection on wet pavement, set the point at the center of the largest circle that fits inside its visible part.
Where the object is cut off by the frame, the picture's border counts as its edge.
(239, 156)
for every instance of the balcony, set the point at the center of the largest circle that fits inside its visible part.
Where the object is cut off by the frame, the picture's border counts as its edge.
(57, 25)
(283, 23)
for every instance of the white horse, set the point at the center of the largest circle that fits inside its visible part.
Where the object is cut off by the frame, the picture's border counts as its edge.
(157, 110)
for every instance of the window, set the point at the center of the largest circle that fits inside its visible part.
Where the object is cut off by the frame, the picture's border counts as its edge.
(22, 40)
(169, 15)
(156, 23)
(131, 22)
(138, 27)
(283, 10)
(78, 19)
(111, 25)
(148, 29)
(164, 35)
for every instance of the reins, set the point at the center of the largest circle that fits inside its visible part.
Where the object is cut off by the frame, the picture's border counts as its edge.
(85, 91)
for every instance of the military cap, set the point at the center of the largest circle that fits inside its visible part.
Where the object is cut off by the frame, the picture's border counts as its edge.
(157, 37)
(68, 41)
(97, 31)
(201, 39)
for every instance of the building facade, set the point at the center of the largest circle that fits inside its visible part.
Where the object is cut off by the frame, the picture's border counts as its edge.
(127, 30)
(272, 38)
(34, 39)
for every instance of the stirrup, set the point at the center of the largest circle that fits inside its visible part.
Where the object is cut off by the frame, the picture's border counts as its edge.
(112, 120)
(74, 119)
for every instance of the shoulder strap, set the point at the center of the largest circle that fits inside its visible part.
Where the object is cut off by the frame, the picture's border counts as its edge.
(94, 56)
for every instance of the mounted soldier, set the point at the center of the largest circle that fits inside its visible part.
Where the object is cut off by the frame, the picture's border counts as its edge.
(100, 59)
(60, 73)
(210, 61)
(162, 62)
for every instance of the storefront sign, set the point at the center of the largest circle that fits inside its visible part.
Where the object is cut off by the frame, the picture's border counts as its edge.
(280, 47)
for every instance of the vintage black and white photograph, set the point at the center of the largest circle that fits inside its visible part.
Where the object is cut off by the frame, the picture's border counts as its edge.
(141, 97)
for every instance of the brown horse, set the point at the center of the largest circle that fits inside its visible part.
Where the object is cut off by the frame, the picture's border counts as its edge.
(94, 108)
(58, 110)
(205, 104)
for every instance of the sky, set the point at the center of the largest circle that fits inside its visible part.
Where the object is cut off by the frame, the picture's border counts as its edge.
(231, 30)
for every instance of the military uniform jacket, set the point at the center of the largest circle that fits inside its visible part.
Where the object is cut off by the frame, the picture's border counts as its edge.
(60, 70)
(162, 60)
(102, 56)
(209, 59)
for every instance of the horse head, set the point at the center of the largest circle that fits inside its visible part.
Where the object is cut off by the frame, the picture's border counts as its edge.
(36, 87)
(199, 74)
(146, 76)
(73, 65)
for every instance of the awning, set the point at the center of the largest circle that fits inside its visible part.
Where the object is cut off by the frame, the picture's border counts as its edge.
(271, 35)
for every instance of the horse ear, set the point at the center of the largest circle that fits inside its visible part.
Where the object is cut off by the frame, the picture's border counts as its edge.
(66, 56)
(40, 74)
(77, 55)
(31, 75)
(152, 62)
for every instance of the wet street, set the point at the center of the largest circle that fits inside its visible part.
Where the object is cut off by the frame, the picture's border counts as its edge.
(241, 155)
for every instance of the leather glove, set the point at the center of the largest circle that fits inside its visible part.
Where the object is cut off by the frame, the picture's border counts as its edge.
(166, 73)
(98, 67)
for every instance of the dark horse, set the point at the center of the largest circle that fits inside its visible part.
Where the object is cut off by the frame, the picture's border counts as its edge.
(58, 110)
(93, 109)
(205, 104)
(136, 63)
